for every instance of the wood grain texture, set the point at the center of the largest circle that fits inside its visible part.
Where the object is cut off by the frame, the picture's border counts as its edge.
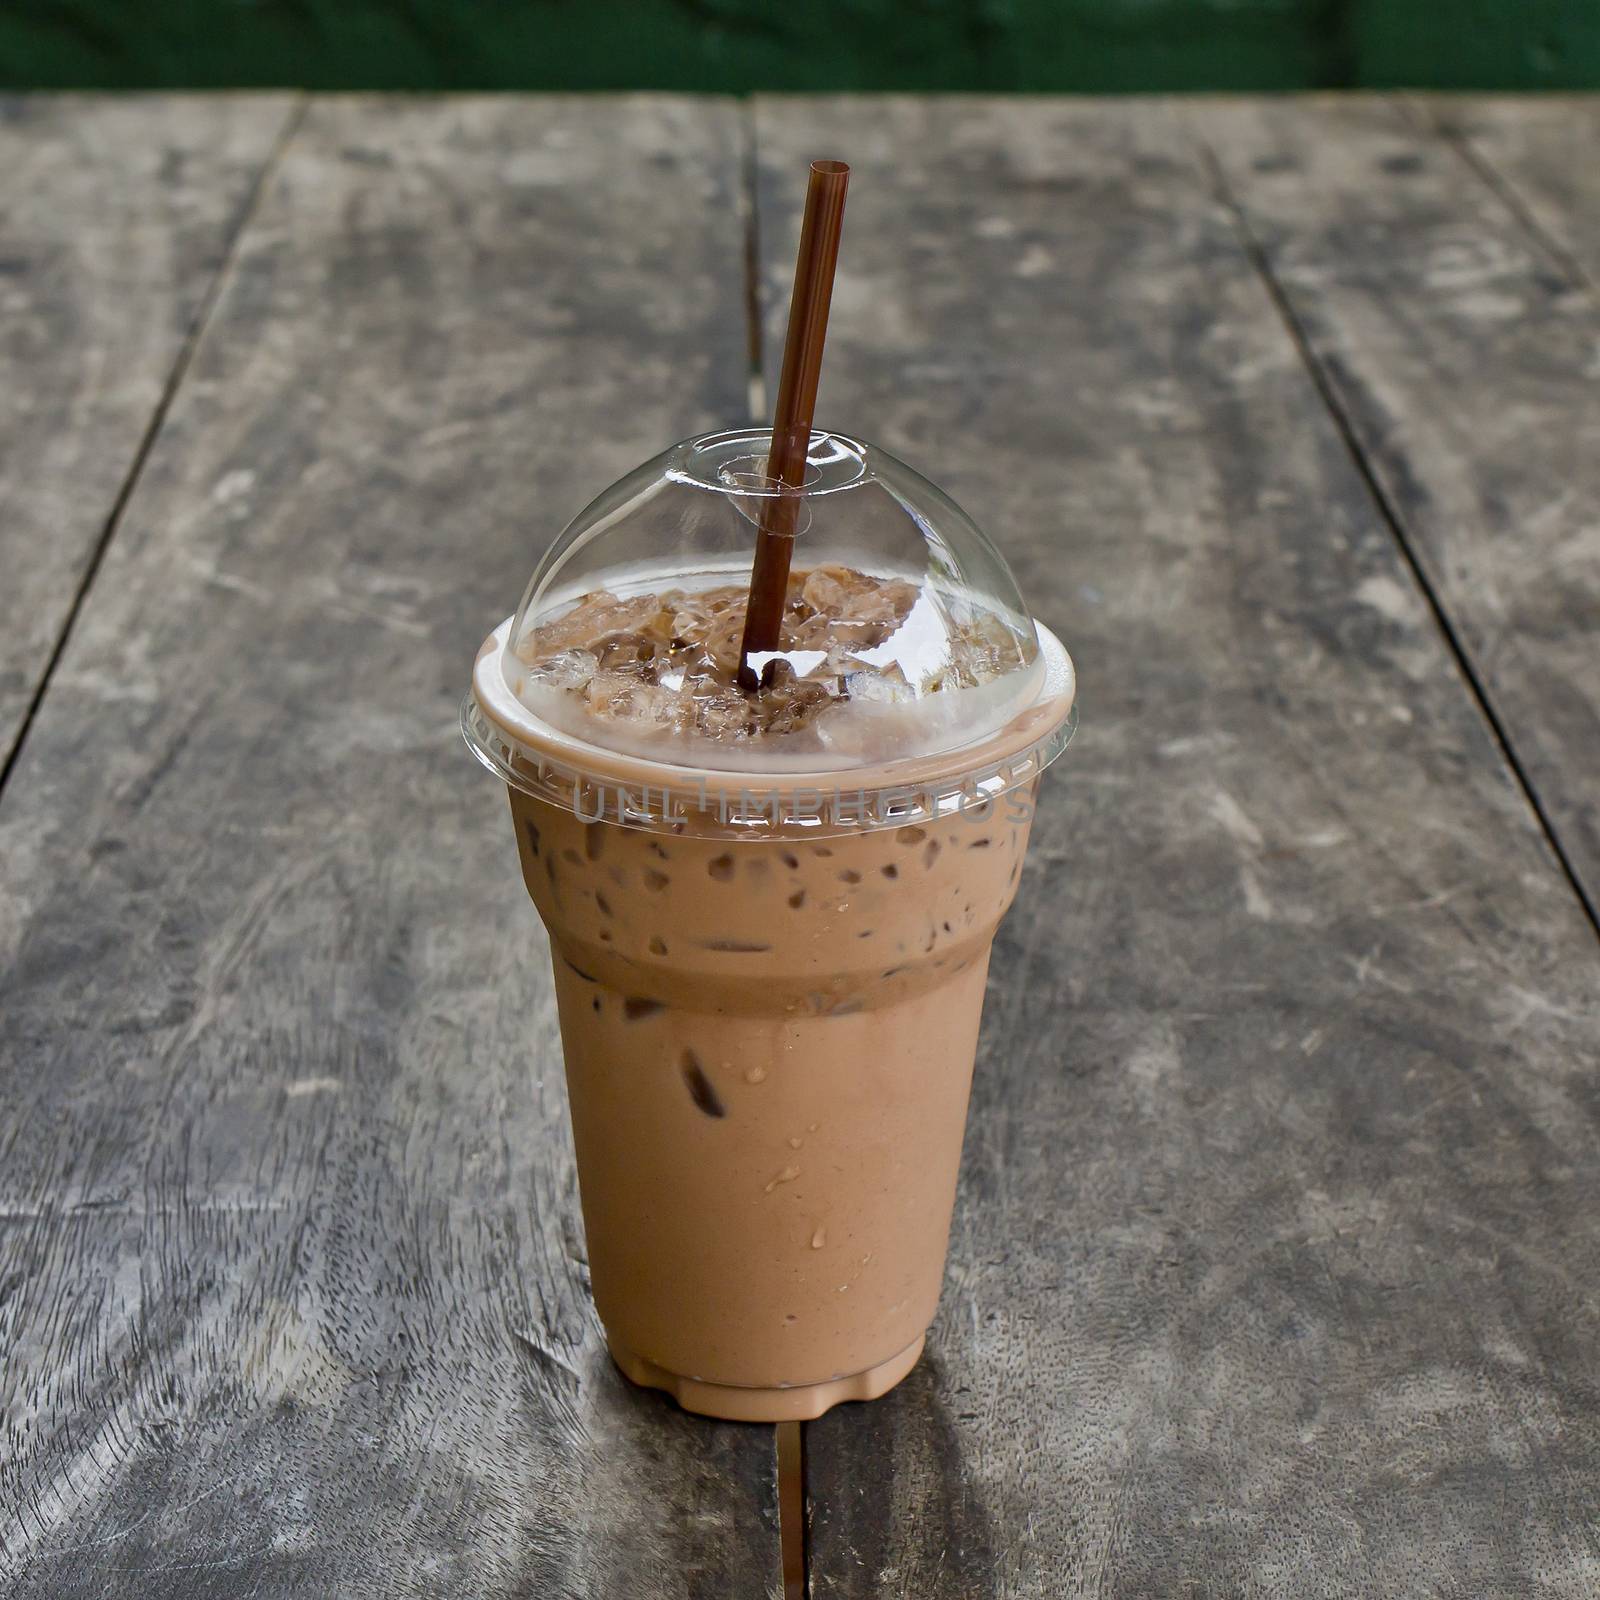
(1541, 155)
(115, 218)
(1462, 357)
(1273, 1270)
(294, 1298)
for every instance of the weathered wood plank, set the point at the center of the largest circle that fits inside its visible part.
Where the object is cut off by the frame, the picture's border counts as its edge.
(1274, 1266)
(294, 1295)
(1462, 358)
(115, 218)
(1543, 154)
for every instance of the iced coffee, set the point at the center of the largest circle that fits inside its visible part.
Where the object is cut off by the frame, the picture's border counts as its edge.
(770, 914)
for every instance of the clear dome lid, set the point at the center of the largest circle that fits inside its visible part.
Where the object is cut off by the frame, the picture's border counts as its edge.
(904, 639)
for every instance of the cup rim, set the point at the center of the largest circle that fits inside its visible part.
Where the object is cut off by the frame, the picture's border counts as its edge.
(532, 755)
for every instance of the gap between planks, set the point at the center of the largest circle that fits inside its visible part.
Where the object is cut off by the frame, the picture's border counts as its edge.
(755, 377)
(1425, 112)
(1387, 509)
(794, 1521)
(193, 335)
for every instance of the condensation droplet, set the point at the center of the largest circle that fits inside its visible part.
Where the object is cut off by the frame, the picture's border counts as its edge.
(788, 1175)
(754, 1074)
(819, 1238)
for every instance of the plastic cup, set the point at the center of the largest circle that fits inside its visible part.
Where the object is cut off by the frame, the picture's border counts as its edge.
(770, 972)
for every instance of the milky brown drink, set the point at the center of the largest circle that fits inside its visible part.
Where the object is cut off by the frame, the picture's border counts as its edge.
(770, 917)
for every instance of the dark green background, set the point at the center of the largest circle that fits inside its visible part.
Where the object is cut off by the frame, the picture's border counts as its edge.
(739, 45)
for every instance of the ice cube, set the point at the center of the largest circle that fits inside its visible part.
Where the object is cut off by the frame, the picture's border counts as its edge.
(595, 616)
(571, 669)
(879, 687)
(851, 596)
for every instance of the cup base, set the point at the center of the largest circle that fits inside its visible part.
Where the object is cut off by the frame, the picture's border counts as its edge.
(801, 1402)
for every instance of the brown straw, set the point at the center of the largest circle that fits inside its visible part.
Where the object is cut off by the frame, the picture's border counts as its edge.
(796, 404)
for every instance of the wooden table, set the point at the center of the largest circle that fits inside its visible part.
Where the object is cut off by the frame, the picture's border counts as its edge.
(1276, 1265)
